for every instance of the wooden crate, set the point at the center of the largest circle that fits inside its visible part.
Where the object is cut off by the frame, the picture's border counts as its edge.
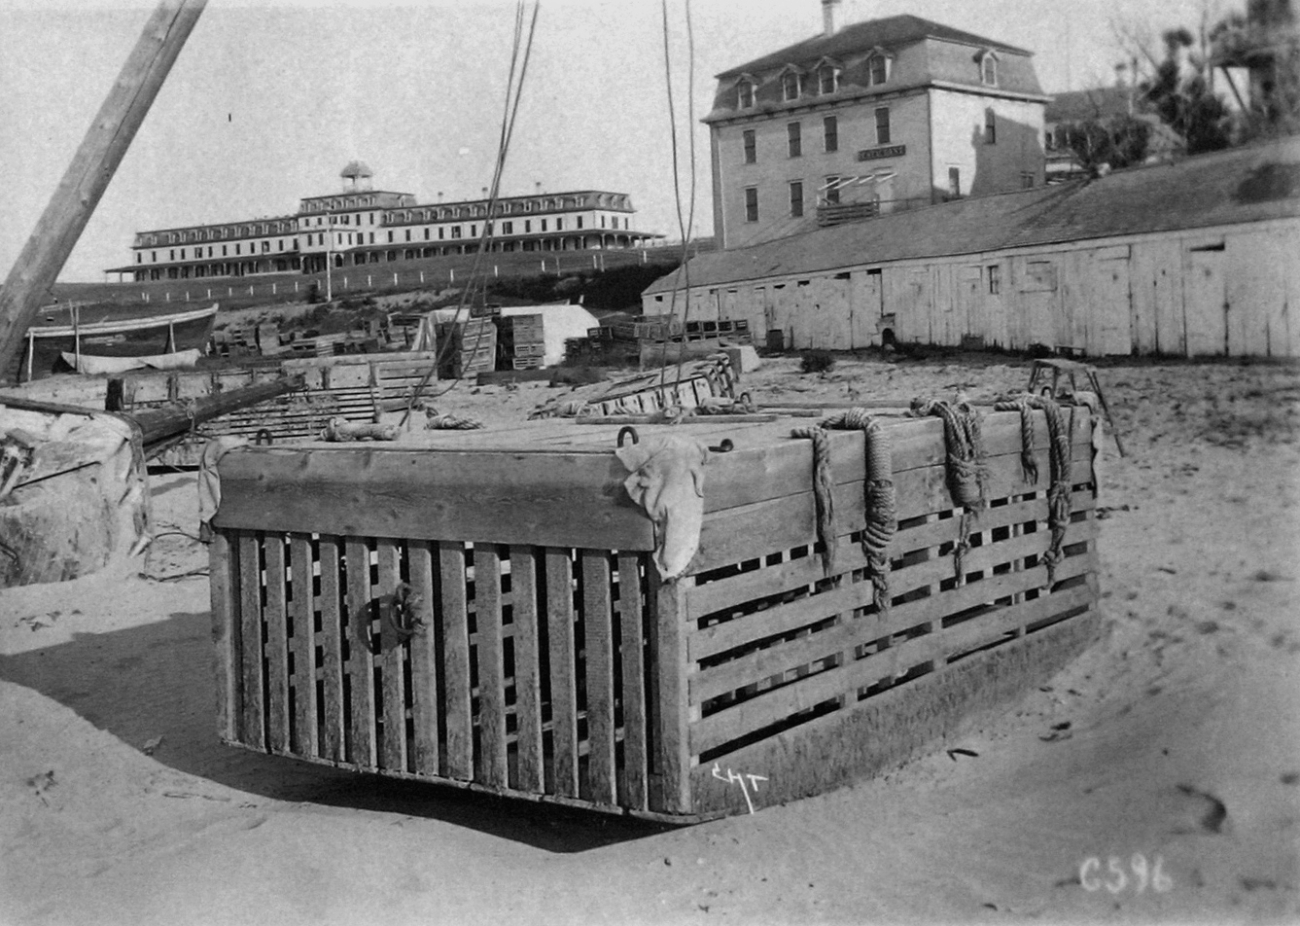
(554, 663)
(336, 387)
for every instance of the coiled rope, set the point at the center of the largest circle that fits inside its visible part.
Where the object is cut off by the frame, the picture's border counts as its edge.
(436, 422)
(1059, 504)
(966, 470)
(879, 502)
(823, 492)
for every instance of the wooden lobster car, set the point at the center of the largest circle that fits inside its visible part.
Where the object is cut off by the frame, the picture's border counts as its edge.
(551, 662)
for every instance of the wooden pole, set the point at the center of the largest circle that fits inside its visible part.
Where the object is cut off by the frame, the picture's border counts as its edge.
(92, 168)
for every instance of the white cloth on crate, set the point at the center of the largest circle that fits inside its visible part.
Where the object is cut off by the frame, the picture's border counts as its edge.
(667, 480)
(210, 482)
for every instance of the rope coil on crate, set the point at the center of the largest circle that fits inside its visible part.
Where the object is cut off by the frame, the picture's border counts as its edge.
(879, 497)
(1058, 492)
(823, 491)
(436, 422)
(967, 471)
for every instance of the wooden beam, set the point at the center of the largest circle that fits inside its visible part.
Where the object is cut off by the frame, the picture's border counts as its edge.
(92, 168)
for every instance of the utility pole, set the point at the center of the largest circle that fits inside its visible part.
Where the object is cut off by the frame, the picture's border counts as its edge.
(92, 167)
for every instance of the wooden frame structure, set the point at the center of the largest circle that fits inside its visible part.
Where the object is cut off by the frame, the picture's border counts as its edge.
(550, 662)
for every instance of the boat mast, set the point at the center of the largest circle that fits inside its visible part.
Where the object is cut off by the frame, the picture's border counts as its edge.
(92, 168)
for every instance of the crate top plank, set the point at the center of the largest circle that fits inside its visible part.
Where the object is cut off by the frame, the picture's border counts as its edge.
(552, 482)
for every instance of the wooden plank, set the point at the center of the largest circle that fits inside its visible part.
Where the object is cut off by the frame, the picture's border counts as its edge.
(717, 595)
(459, 755)
(786, 618)
(392, 663)
(491, 666)
(303, 614)
(333, 615)
(631, 618)
(252, 728)
(563, 668)
(727, 536)
(528, 682)
(770, 707)
(223, 570)
(360, 665)
(424, 663)
(277, 650)
(673, 711)
(552, 499)
(597, 616)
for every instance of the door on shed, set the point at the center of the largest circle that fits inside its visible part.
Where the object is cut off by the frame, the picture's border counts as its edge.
(1205, 300)
(921, 304)
(970, 304)
(1111, 331)
(836, 303)
(866, 308)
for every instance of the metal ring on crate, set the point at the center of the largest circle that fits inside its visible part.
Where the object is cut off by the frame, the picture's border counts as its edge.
(626, 430)
(263, 436)
(725, 447)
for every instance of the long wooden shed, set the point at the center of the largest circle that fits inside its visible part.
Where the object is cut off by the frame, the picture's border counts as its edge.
(481, 609)
(1195, 258)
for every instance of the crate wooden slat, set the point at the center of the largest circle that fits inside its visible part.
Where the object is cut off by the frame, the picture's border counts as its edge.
(552, 663)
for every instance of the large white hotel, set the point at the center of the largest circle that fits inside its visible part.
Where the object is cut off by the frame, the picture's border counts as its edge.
(361, 225)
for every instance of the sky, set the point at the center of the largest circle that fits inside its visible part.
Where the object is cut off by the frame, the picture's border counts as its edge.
(269, 99)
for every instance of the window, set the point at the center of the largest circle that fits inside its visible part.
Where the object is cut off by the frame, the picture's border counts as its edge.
(372, 238)
(751, 204)
(831, 133)
(544, 221)
(954, 183)
(528, 225)
(877, 69)
(223, 249)
(882, 126)
(989, 69)
(796, 198)
(473, 231)
(745, 95)
(790, 86)
(507, 228)
(832, 191)
(559, 224)
(455, 231)
(408, 234)
(794, 138)
(750, 146)
(390, 237)
(990, 127)
(1026, 180)
(828, 79)
(580, 221)
(995, 279)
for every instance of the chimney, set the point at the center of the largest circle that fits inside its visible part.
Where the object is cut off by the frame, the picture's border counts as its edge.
(830, 16)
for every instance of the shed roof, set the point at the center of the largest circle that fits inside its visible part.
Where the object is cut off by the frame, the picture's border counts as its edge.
(1239, 185)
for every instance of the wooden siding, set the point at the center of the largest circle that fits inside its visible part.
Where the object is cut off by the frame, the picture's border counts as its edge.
(1227, 291)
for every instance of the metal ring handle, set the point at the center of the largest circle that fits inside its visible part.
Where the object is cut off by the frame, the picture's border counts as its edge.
(263, 436)
(625, 431)
(725, 447)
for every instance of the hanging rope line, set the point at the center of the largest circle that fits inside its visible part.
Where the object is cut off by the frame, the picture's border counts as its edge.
(514, 92)
(880, 500)
(685, 225)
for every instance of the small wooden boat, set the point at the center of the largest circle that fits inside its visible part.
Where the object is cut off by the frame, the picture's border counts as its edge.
(108, 333)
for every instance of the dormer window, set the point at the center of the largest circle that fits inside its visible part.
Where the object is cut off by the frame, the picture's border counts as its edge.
(745, 93)
(828, 79)
(790, 85)
(879, 64)
(989, 69)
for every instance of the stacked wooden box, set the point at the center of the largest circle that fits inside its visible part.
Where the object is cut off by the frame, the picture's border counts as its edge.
(472, 348)
(552, 662)
(522, 343)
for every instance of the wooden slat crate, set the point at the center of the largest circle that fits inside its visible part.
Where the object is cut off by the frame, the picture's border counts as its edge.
(341, 387)
(554, 664)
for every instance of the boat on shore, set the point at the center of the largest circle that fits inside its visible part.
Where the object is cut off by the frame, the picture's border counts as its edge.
(61, 343)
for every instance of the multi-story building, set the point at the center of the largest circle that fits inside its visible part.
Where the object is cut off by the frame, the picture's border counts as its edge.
(360, 225)
(873, 117)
